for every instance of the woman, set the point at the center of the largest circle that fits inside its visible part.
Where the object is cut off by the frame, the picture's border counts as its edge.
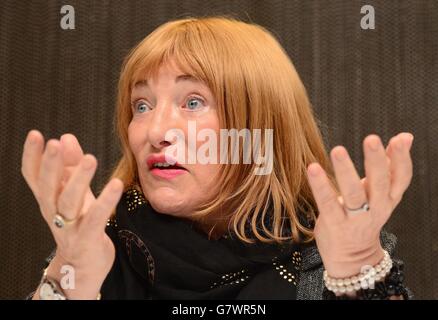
(183, 224)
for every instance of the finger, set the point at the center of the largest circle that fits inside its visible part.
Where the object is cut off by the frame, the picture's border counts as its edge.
(49, 178)
(364, 184)
(389, 150)
(363, 181)
(407, 137)
(31, 158)
(349, 182)
(101, 209)
(401, 166)
(72, 151)
(72, 154)
(71, 199)
(323, 192)
(88, 200)
(377, 171)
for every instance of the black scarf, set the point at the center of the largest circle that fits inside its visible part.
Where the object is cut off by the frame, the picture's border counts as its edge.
(163, 257)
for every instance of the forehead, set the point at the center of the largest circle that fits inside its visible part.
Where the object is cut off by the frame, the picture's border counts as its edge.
(168, 70)
(178, 78)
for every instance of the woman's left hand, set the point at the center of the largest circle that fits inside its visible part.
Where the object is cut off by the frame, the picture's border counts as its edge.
(348, 241)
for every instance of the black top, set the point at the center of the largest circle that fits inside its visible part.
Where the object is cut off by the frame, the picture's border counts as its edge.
(163, 257)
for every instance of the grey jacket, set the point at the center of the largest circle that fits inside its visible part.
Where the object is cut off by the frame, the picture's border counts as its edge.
(311, 285)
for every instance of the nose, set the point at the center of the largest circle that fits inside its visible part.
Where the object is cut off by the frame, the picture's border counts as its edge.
(164, 118)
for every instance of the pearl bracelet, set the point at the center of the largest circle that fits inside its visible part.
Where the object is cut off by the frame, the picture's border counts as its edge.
(364, 280)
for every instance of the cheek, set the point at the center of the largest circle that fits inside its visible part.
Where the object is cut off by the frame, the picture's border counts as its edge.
(202, 186)
(207, 173)
(134, 138)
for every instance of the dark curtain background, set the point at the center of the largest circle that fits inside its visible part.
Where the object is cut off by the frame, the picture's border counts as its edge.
(360, 81)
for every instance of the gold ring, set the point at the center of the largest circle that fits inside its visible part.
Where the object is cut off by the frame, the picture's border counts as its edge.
(60, 221)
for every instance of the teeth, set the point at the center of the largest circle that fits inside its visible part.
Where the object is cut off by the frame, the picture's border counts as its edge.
(161, 165)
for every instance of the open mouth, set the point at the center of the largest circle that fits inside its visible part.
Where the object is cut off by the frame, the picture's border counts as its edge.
(159, 166)
(165, 166)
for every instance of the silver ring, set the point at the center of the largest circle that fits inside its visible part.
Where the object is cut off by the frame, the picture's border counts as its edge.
(363, 208)
(60, 221)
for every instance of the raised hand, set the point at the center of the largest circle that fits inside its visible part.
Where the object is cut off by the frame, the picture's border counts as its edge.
(59, 176)
(348, 238)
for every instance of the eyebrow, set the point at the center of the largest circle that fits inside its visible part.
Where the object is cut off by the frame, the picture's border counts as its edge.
(179, 78)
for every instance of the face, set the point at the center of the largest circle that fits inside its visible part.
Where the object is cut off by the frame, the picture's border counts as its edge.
(172, 101)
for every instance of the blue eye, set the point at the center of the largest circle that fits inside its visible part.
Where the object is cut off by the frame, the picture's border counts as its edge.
(141, 107)
(193, 103)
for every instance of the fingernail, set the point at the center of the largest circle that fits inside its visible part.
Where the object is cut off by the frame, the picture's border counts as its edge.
(340, 154)
(31, 138)
(409, 141)
(373, 144)
(399, 144)
(53, 150)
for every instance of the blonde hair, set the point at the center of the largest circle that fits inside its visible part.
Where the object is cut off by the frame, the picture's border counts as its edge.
(255, 86)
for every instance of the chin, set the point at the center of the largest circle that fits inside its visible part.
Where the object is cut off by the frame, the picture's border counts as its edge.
(167, 202)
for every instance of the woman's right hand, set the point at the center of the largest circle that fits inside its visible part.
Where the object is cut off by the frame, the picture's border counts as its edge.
(59, 176)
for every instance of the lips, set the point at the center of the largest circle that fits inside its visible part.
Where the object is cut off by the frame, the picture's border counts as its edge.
(164, 168)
